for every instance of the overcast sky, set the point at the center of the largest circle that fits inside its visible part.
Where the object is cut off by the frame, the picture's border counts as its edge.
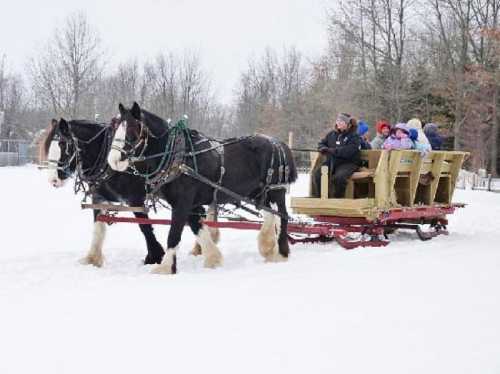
(226, 32)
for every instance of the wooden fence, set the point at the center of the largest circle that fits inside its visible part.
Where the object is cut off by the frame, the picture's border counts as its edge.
(474, 181)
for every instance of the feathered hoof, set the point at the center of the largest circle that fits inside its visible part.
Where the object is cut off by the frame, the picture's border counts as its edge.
(276, 258)
(163, 269)
(213, 261)
(153, 259)
(94, 260)
(168, 265)
(196, 251)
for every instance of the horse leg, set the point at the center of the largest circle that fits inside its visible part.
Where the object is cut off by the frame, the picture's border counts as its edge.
(169, 263)
(155, 250)
(213, 257)
(283, 247)
(94, 255)
(268, 236)
(214, 232)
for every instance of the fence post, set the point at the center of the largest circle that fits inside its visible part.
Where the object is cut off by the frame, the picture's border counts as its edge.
(489, 182)
(290, 144)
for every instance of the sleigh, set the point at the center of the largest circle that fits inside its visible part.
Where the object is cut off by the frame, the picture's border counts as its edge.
(393, 190)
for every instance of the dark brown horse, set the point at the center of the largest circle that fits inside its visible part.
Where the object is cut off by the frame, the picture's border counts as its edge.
(256, 167)
(81, 147)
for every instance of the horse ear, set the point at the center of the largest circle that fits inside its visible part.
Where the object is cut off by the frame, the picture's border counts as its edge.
(63, 126)
(136, 111)
(121, 108)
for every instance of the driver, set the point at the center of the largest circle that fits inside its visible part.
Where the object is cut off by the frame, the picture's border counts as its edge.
(342, 148)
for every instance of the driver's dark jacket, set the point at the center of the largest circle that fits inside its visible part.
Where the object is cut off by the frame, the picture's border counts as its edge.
(346, 147)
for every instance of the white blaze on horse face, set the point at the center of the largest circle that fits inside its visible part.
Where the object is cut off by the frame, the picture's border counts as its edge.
(53, 159)
(114, 157)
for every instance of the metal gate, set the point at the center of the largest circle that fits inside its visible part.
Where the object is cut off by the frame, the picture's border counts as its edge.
(15, 152)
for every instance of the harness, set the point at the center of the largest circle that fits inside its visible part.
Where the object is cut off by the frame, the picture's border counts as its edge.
(283, 170)
(179, 147)
(99, 171)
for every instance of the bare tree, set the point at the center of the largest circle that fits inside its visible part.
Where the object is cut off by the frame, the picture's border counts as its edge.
(69, 67)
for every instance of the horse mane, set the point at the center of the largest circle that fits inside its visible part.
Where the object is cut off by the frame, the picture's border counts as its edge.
(44, 146)
(154, 121)
(77, 125)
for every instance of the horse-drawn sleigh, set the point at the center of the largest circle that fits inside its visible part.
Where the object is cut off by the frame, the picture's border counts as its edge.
(140, 157)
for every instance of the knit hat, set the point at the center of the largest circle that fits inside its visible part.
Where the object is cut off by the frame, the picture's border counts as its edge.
(381, 124)
(344, 117)
(415, 123)
(413, 135)
(402, 126)
(362, 128)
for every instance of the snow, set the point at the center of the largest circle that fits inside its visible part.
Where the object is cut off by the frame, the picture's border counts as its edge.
(411, 307)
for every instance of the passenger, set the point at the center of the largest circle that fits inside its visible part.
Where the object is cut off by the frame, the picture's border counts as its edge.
(417, 125)
(399, 138)
(383, 130)
(363, 135)
(421, 147)
(341, 145)
(432, 133)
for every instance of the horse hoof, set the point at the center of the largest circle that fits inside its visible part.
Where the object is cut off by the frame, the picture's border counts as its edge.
(276, 258)
(96, 261)
(196, 251)
(162, 269)
(213, 262)
(154, 259)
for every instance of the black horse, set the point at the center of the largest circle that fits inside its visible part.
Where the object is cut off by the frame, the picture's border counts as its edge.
(257, 167)
(81, 147)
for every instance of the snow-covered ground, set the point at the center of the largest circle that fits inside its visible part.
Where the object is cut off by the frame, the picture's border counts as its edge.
(412, 307)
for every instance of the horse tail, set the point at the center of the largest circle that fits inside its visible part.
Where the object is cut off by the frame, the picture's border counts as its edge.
(47, 139)
(292, 168)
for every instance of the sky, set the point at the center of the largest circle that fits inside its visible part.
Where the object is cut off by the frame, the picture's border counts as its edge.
(226, 33)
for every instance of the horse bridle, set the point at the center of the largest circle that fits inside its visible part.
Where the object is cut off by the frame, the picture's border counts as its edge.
(57, 164)
(142, 140)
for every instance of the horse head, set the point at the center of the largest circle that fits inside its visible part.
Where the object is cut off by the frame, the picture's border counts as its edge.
(136, 127)
(58, 148)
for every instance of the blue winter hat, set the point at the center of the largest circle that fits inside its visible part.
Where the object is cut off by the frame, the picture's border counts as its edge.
(413, 134)
(362, 128)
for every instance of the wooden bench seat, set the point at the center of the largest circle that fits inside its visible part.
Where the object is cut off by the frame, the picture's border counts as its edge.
(395, 179)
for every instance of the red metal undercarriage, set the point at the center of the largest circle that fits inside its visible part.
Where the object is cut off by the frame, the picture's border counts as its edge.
(328, 228)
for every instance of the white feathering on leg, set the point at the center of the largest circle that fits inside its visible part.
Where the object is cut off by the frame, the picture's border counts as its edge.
(213, 257)
(268, 238)
(94, 256)
(166, 264)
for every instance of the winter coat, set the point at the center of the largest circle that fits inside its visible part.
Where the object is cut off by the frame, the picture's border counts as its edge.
(378, 141)
(394, 143)
(364, 144)
(417, 125)
(421, 147)
(431, 131)
(343, 147)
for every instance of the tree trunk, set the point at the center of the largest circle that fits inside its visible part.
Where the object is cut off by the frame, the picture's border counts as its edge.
(495, 135)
